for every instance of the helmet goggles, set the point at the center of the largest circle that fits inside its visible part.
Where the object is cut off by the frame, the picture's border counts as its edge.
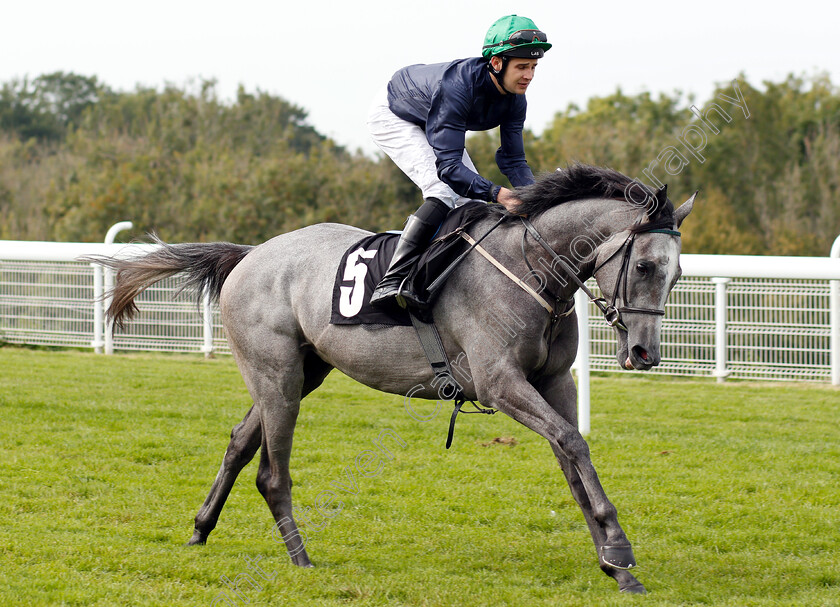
(521, 37)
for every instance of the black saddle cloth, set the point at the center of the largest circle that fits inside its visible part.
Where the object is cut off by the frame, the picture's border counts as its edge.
(364, 264)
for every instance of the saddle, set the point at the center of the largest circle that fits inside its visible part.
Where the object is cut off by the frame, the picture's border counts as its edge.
(363, 265)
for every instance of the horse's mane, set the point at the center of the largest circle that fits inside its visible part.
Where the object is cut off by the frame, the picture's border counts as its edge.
(577, 181)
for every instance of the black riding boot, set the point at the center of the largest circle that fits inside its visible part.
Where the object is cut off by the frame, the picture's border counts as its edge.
(419, 230)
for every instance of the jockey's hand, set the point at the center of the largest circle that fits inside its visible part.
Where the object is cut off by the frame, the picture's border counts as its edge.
(508, 199)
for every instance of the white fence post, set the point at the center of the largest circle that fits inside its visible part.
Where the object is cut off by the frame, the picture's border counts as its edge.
(721, 342)
(834, 314)
(105, 302)
(98, 309)
(582, 363)
(207, 314)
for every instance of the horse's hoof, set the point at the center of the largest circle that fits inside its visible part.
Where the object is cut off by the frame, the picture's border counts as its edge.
(198, 539)
(302, 560)
(636, 588)
(620, 557)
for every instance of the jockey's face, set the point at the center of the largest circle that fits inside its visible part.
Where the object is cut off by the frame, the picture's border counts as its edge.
(518, 74)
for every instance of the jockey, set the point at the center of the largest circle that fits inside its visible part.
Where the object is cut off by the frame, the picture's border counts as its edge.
(420, 121)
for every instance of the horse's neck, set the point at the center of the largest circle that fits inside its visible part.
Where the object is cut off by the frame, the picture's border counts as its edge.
(576, 229)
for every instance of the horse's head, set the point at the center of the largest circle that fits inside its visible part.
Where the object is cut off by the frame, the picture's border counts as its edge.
(636, 270)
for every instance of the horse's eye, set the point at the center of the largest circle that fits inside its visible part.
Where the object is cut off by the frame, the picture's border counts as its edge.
(643, 267)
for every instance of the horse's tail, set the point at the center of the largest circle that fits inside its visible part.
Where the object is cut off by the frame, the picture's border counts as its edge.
(206, 267)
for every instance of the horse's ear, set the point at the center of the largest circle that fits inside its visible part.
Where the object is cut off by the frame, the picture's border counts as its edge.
(685, 208)
(661, 199)
(662, 196)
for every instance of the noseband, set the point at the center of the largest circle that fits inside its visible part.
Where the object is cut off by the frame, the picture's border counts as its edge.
(612, 314)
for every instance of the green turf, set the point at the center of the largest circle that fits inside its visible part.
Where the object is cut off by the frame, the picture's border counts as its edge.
(730, 493)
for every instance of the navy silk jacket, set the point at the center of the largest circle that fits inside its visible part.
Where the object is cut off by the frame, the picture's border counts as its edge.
(448, 99)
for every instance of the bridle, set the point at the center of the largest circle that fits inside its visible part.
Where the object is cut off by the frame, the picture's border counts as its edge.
(612, 314)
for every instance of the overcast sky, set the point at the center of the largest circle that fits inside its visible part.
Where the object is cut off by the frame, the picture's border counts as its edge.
(330, 58)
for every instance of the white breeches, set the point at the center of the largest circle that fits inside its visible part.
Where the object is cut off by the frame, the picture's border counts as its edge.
(406, 144)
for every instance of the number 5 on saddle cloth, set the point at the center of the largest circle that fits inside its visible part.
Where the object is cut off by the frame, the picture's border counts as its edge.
(364, 264)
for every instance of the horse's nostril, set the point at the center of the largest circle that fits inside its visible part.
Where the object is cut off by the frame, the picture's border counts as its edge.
(641, 353)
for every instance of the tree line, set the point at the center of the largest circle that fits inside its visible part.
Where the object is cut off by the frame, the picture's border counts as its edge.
(77, 156)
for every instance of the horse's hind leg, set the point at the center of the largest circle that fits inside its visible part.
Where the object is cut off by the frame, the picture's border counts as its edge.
(279, 407)
(274, 481)
(244, 441)
(278, 373)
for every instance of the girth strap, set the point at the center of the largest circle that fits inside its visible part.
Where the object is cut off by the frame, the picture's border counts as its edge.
(429, 338)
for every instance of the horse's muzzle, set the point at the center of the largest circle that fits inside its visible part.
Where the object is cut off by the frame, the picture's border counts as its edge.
(641, 359)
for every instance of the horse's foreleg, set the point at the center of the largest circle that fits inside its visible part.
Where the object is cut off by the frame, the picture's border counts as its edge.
(244, 441)
(520, 400)
(560, 392)
(627, 582)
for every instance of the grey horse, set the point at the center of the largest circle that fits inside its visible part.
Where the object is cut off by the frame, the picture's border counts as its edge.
(275, 302)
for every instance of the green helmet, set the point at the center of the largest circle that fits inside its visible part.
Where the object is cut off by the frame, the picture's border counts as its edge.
(514, 36)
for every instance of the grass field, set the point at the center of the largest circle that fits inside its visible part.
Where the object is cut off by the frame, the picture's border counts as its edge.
(730, 494)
